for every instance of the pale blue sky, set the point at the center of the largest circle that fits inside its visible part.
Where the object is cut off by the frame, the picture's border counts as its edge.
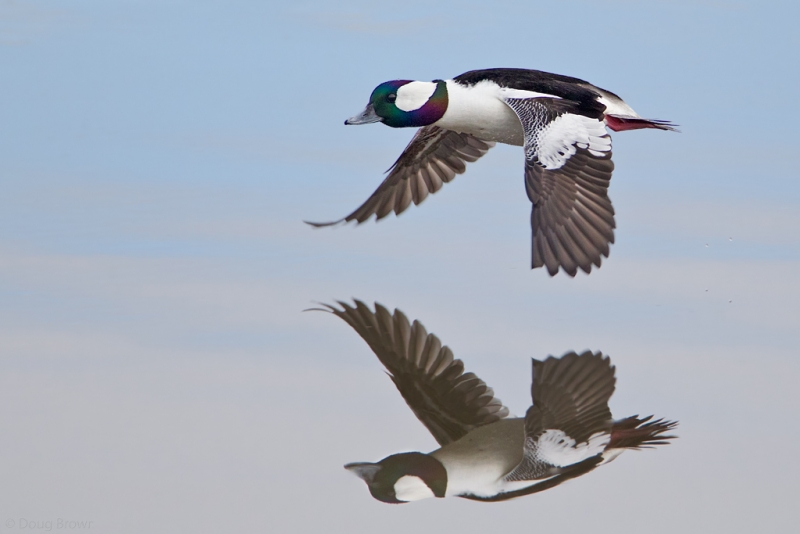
(157, 160)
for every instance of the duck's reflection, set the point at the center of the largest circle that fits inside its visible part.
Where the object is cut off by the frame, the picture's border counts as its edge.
(486, 455)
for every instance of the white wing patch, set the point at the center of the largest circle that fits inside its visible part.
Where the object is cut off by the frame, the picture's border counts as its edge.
(507, 92)
(557, 448)
(414, 95)
(556, 141)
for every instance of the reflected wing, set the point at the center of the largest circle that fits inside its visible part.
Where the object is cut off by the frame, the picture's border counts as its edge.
(567, 172)
(434, 156)
(448, 401)
(569, 421)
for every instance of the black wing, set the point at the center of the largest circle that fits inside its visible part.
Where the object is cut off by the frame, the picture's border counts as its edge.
(569, 421)
(448, 401)
(567, 172)
(434, 156)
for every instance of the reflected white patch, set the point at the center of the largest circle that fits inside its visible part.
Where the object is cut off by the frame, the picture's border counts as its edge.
(557, 141)
(410, 488)
(414, 95)
(611, 454)
(557, 448)
(475, 471)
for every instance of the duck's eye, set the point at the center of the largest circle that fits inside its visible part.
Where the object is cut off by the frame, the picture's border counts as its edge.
(392, 97)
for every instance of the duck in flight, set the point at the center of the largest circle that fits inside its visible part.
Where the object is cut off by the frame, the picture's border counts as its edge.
(485, 454)
(560, 122)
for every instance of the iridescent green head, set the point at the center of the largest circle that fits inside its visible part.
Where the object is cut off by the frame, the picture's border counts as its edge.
(401, 103)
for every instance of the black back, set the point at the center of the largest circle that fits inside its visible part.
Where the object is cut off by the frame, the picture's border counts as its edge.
(566, 87)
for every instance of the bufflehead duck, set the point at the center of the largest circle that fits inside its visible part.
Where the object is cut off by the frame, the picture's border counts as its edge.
(559, 120)
(485, 453)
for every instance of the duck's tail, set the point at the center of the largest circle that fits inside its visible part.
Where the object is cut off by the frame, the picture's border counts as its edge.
(635, 433)
(620, 123)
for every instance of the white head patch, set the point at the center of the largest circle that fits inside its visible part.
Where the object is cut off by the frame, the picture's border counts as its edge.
(414, 95)
(410, 488)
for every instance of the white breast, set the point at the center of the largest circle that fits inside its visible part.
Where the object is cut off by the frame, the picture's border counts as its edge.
(477, 463)
(480, 111)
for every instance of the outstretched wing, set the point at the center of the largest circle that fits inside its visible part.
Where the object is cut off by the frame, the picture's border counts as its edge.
(567, 172)
(448, 401)
(569, 421)
(434, 156)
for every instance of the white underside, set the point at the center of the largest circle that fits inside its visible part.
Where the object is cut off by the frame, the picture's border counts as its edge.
(483, 479)
(410, 488)
(477, 463)
(480, 111)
